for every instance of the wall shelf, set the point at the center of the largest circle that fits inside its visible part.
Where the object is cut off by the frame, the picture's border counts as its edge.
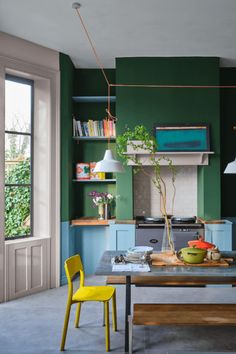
(93, 99)
(110, 180)
(178, 158)
(94, 138)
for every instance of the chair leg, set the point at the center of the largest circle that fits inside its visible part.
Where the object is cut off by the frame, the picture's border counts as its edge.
(130, 334)
(77, 315)
(114, 312)
(66, 320)
(103, 320)
(107, 327)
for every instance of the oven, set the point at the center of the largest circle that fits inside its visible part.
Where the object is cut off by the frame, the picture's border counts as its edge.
(150, 233)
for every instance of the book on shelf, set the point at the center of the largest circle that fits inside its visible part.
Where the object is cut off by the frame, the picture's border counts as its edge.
(85, 129)
(75, 128)
(79, 128)
(96, 128)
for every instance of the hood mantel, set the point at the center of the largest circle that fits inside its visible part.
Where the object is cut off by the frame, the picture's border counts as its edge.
(178, 158)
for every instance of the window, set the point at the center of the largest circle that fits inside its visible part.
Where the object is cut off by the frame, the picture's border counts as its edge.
(18, 157)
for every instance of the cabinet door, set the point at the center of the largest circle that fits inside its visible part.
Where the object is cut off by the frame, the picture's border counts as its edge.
(121, 236)
(220, 235)
(91, 243)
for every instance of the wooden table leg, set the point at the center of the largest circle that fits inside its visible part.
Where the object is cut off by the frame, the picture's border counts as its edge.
(127, 311)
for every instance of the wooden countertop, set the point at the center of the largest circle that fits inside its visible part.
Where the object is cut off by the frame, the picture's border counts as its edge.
(211, 221)
(128, 222)
(93, 221)
(89, 221)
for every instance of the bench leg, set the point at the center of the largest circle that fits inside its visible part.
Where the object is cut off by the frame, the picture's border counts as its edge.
(127, 311)
(130, 320)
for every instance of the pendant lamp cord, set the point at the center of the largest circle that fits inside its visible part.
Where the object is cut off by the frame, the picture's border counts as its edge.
(110, 117)
(76, 6)
(92, 46)
(108, 110)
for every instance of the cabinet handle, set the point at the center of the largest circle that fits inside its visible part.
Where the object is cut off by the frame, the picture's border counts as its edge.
(153, 240)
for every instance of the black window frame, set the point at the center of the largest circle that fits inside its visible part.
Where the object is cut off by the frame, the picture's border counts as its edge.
(22, 80)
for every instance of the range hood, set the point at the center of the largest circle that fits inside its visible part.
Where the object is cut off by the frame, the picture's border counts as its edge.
(178, 158)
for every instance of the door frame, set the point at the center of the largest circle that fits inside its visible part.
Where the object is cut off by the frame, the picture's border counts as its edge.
(34, 72)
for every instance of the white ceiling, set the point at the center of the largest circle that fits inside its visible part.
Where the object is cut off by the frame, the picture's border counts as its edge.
(126, 28)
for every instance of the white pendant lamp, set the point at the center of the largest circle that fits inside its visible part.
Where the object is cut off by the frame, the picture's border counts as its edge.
(231, 167)
(108, 164)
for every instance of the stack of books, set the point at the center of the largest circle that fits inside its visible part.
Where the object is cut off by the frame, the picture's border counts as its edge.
(102, 128)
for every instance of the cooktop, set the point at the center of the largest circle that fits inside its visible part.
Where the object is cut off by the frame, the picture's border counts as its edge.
(161, 220)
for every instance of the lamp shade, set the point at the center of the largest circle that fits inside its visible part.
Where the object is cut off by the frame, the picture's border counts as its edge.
(108, 164)
(231, 167)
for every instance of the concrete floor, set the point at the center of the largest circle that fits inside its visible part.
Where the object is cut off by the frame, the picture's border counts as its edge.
(34, 324)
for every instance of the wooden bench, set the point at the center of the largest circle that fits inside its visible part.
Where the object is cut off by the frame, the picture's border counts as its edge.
(181, 314)
(167, 281)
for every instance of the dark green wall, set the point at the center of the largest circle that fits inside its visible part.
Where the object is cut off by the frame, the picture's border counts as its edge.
(67, 84)
(228, 141)
(148, 106)
(143, 106)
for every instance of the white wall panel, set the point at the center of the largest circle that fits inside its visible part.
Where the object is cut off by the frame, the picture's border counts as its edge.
(2, 177)
(27, 269)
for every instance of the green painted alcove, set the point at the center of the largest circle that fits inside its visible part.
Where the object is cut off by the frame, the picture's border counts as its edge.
(149, 106)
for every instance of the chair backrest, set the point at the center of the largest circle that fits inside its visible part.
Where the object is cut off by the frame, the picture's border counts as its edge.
(73, 265)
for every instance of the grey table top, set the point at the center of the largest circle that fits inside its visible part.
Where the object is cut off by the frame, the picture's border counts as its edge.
(105, 268)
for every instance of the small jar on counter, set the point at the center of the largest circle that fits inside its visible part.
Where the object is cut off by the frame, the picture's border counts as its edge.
(213, 254)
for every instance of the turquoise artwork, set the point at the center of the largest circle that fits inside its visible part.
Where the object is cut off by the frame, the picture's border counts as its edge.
(182, 138)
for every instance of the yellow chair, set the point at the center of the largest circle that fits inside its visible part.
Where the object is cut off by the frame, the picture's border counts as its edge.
(73, 265)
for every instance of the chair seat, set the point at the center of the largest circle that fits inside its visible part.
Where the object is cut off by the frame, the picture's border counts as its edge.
(93, 293)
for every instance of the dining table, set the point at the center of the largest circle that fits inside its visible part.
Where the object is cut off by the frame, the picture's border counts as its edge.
(159, 276)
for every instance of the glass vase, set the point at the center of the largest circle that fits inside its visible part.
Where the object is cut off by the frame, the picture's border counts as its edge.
(168, 244)
(101, 212)
(107, 211)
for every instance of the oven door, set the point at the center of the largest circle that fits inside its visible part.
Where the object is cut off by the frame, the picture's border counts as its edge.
(152, 236)
(183, 235)
(149, 237)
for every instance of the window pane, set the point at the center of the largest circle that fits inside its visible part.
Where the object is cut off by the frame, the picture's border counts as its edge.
(18, 107)
(17, 211)
(17, 158)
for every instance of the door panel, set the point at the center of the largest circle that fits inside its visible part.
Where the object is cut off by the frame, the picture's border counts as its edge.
(181, 238)
(122, 236)
(20, 256)
(29, 267)
(36, 266)
(149, 237)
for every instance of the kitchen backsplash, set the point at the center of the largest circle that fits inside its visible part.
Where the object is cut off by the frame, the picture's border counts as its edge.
(147, 198)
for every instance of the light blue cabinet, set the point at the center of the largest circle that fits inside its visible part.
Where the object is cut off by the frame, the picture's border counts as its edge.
(122, 236)
(67, 247)
(220, 235)
(91, 242)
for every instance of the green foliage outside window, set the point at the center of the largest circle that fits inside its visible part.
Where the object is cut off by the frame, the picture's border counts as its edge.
(17, 200)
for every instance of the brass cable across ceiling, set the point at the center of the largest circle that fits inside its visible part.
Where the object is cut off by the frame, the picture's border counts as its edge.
(76, 6)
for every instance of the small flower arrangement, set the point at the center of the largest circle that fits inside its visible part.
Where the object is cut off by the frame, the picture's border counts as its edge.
(101, 198)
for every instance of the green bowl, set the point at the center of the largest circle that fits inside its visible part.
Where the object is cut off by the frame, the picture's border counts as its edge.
(193, 255)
